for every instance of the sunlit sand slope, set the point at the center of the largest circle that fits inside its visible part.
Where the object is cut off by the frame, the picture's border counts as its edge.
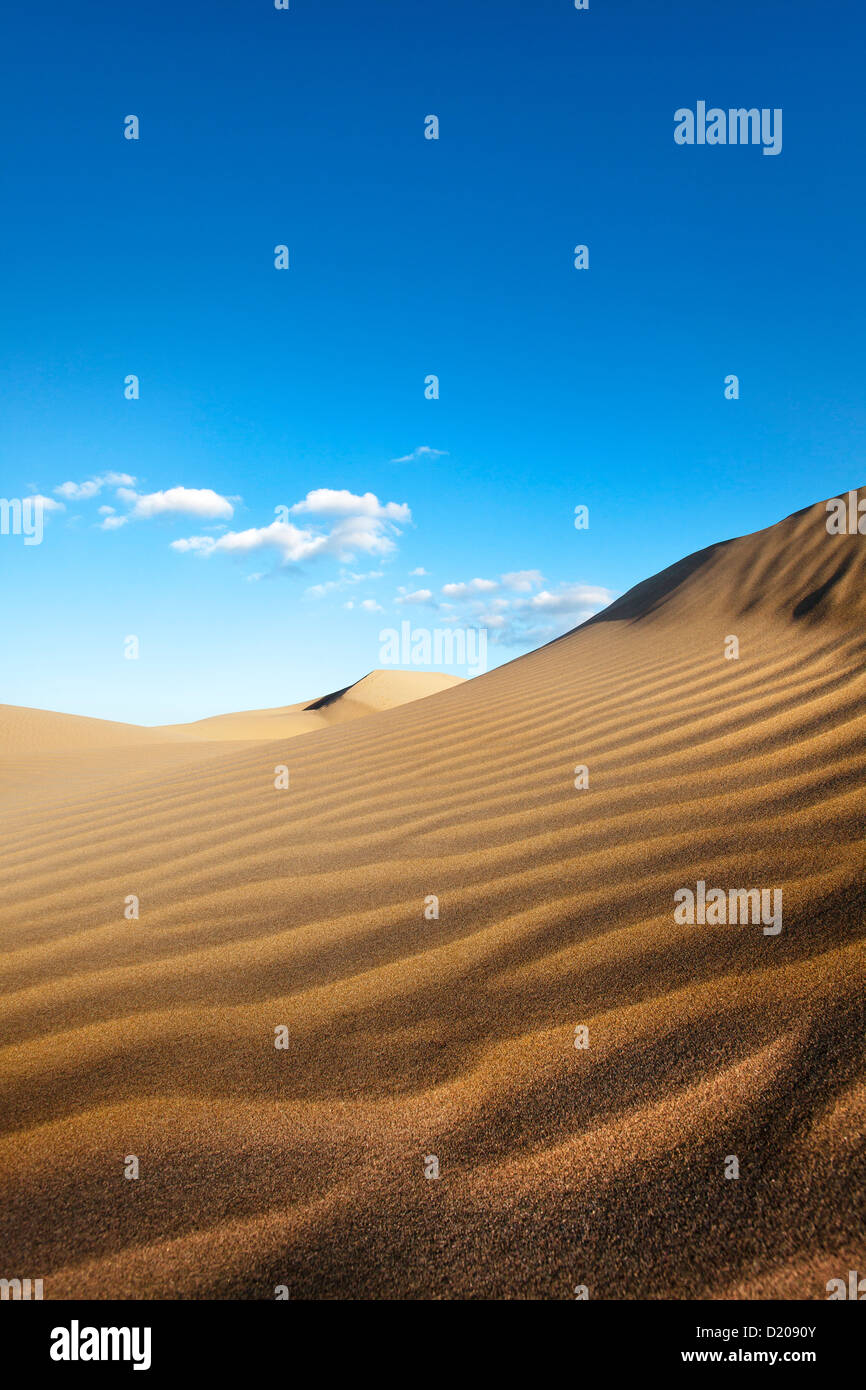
(411, 1036)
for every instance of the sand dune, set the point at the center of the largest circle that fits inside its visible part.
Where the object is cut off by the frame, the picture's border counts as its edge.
(454, 1037)
(379, 690)
(100, 753)
(25, 730)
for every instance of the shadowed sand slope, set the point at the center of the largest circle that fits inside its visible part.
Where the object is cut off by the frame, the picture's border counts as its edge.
(412, 1036)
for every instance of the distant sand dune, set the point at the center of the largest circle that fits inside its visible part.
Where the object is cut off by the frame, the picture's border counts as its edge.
(38, 730)
(380, 690)
(455, 1037)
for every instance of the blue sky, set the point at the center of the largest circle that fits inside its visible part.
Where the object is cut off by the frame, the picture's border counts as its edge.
(262, 388)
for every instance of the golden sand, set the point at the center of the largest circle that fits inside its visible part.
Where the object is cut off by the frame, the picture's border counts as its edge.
(453, 1037)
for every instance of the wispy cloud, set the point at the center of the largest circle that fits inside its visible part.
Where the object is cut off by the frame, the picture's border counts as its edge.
(519, 617)
(345, 581)
(422, 452)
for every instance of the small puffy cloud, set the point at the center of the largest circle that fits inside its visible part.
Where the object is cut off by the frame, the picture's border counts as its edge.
(48, 504)
(326, 501)
(82, 492)
(113, 523)
(570, 598)
(366, 605)
(420, 597)
(419, 572)
(474, 586)
(422, 452)
(182, 501)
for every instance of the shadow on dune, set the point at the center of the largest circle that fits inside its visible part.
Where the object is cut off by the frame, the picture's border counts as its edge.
(811, 601)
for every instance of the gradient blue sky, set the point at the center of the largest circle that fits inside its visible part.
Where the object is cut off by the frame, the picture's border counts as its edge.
(408, 257)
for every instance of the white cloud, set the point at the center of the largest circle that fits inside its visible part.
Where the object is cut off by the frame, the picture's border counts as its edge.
(291, 543)
(420, 572)
(474, 586)
(362, 526)
(325, 501)
(367, 605)
(420, 597)
(422, 452)
(365, 535)
(82, 492)
(523, 581)
(345, 581)
(569, 598)
(369, 532)
(521, 618)
(182, 501)
(48, 503)
(529, 622)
